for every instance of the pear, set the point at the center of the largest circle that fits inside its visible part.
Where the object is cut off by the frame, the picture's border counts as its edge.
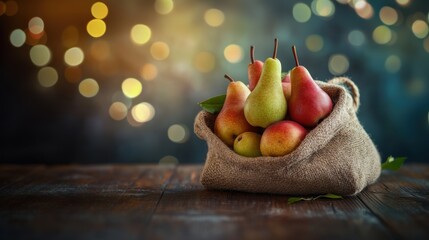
(282, 138)
(254, 69)
(308, 104)
(266, 104)
(247, 144)
(230, 122)
(286, 85)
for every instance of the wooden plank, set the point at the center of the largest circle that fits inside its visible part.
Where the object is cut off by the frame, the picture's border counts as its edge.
(10, 174)
(189, 211)
(83, 202)
(401, 200)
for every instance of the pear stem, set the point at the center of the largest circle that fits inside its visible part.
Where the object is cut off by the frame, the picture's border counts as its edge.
(275, 48)
(295, 56)
(252, 54)
(229, 78)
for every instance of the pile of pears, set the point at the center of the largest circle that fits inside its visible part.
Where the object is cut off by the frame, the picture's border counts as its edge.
(273, 114)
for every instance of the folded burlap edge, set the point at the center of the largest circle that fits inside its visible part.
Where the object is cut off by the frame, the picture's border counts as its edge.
(221, 159)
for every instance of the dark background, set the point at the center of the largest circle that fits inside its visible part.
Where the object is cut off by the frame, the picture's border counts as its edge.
(58, 125)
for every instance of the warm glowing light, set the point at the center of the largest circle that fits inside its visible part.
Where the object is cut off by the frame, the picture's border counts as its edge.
(392, 64)
(17, 38)
(388, 15)
(420, 28)
(323, 8)
(100, 50)
(40, 55)
(168, 160)
(96, 28)
(356, 38)
(36, 25)
(163, 6)
(73, 74)
(2, 8)
(143, 112)
(204, 62)
(178, 133)
(159, 50)
(344, 1)
(70, 37)
(364, 9)
(118, 111)
(426, 44)
(233, 53)
(149, 72)
(99, 10)
(403, 2)
(74, 56)
(338, 64)
(214, 17)
(88, 87)
(47, 76)
(140, 34)
(11, 8)
(301, 12)
(382, 34)
(314, 43)
(131, 87)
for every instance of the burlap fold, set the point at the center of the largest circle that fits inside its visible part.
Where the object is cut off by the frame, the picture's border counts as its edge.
(336, 157)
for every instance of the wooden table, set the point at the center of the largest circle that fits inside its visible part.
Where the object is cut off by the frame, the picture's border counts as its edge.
(168, 202)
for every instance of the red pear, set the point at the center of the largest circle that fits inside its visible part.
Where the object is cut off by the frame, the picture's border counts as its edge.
(286, 85)
(308, 103)
(230, 122)
(254, 69)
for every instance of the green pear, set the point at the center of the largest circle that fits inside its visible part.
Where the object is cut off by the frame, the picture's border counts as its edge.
(266, 104)
(230, 122)
(247, 144)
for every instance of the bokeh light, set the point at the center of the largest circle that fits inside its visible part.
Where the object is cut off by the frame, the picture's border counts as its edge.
(96, 28)
(356, 38)
(74, 56)
(426, 44)
(40, 55)
(233, 53)
(131, 87)
(149, 72)
(214, 17)
(168, 160)
(392, 63)
(338, 64)
(99, 10)
(420, 28)
(70, 36)
(204, 62)
(323, 8)
(143, 112)
(36, 25)
(100, 49)
(301, 12)
(140, 34)
(178, 133)
(88, 88)
(47, 76)
(382, 34)
(118, 111)
(364, 9)
(17, 38)
(159, 50)
(314, 42)
(403, 2)
(163, 6)
(11, 8)
(388, 15)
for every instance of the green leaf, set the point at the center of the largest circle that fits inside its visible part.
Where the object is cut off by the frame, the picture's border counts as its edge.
(292, 200)
(214, 104)
(393, 163)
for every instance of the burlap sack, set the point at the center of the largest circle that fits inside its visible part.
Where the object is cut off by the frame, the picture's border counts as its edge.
(336, 157)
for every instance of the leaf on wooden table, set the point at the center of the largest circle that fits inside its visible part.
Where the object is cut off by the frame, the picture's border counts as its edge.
(393, 163)
(214, 104)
